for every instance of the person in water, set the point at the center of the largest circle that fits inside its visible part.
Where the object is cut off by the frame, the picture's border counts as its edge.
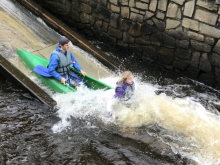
(60, 61)
(125, 86)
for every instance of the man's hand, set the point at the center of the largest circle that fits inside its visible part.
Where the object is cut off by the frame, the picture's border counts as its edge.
(63, 80)
(83, 73)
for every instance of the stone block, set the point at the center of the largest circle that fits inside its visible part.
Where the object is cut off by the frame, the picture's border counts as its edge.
(112, 41)
(149, 52)
(206, 78)
(104, 11)
(206, 16)
(195, 60)
(189, 8)
(105, 27)
(97, 14)
(114, 8)
(114, 33)
(192, 73)
(103, 2)
(75, 16)
(124, 2)
(178, 33)
(150, 22)
(180, 2)
(215, 59)
(125, 24)
(153, 5)
(125, 12)
(85, 8)
(196, 36)
(90, 3)
(143, 12)
(160, 15)
(122, 45)
(127, 38)
(183, 44)
(172, 10)
(137, 49)
(204, 63)
(135, 29)
(147, 29)
(179, 14)
(200, 46)
(217, 47)
(160, 24)
(217, 74)
(115, 2)
(98, 25)
(209, 40)
(207, 5)
(162, 5)
(172, 24)
(91, 20)
(165, 55)
(209, 30)
(84, 18)
(183, 53)
(157, 39)
(105, 37)
(181, 64)
(148, 15)
(169, 41)
(190, 24)
(143, 40)
(114, 21)
(135, 10)
(131, 3)
(141, 5)
(136, 17)
(146, 1)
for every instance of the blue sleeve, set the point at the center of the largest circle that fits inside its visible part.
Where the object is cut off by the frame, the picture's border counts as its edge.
(119, 92)
(54, 60)
(76, 64)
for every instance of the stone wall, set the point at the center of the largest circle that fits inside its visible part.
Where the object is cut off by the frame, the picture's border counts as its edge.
(180, 34)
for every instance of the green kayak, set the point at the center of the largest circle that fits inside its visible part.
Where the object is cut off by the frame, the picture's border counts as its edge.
(32, 60)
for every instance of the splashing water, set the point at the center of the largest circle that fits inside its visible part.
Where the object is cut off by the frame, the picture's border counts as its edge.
(193, 131)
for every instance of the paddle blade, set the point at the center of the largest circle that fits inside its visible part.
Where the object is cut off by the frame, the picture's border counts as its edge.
(43, 71)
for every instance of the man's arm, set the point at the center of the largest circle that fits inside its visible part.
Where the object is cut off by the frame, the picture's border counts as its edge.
(76, 65)
(54, 60)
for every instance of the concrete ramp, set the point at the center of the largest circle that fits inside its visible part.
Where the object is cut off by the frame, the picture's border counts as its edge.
(13, 74)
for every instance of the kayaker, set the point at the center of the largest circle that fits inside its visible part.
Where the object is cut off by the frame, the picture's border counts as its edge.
(125, 86)
(60, 60)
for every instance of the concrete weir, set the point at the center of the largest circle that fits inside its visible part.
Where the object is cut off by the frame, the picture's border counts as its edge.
(63, 29)
(13, 74)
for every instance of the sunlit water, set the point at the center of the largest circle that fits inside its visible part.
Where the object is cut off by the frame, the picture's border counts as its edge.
(189, 124)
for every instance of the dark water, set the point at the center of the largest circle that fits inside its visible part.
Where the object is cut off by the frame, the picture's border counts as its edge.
(27, 138)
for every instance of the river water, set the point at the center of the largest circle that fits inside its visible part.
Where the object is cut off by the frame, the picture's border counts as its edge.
(170, 119)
